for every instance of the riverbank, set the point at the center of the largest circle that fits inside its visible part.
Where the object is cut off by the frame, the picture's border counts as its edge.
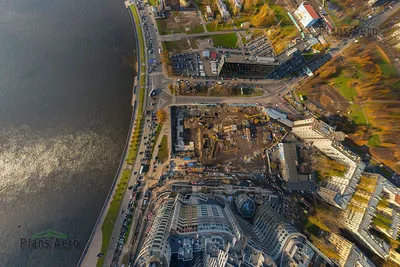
(101, 234)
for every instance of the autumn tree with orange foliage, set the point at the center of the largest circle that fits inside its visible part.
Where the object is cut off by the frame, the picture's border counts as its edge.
(249, 6)
(264, 17)
(161, 115)
(327, 72)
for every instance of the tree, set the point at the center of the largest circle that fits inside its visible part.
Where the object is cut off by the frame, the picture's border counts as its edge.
(183, 86)
(327, 72)
(161, 115)
(264, 17)
(249, 5)
(171, 89)
(165, 57)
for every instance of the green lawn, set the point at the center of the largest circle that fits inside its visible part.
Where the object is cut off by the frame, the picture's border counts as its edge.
(112, 214)
(214, 26)
(197, 29)
(396, 85)
(388, 70)
(163, 150)
(163, 29)
(346, 91)
(243, 18)
(357, 114)
(374, 140)
(281, 14)
(226, 40)
(181, 45)
(153, 2)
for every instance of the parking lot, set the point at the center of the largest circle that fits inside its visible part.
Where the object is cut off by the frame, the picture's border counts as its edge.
(260, 47)
(185, 64)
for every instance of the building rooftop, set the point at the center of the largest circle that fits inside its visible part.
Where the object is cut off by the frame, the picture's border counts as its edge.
(311, 11)
(241, 58)
(290, 167)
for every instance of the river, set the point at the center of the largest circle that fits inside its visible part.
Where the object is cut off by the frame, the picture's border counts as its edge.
(65, 92)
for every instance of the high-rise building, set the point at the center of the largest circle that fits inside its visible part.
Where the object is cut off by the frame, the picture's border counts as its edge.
(156, 249)
(338, 190)
(288, 63)
(240, 66)
(349, 254)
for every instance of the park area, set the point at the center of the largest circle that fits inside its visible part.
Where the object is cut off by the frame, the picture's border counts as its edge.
(363, 85)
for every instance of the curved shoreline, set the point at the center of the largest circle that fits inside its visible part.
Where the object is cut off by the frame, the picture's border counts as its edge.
(125, 151)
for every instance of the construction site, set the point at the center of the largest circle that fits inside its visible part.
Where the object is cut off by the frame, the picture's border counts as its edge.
(216, 134)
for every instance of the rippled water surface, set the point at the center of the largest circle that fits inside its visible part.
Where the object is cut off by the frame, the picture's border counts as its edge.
(64, 117)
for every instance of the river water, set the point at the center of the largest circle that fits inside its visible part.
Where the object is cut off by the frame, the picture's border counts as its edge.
(65, 92)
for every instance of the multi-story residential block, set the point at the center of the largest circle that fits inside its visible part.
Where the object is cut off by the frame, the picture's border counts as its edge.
(349, 254)
(374, 209)
(156, 248)
(223, 10)
(208, 232)
(338, 190)
(236, 5)
(209, 13)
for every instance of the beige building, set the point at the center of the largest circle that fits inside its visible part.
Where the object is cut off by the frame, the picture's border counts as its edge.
(349, 254)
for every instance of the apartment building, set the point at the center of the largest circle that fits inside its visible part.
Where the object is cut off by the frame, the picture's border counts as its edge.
(207, 231)
(349, 254)
(156, 248)
(376, 197)
(338, 190)
(223, 10)
(209, 14)
(236, 5)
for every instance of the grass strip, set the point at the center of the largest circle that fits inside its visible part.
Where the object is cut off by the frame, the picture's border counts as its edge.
(163, 151)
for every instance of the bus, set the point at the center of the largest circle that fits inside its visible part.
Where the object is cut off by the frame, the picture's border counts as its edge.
(144, 168)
